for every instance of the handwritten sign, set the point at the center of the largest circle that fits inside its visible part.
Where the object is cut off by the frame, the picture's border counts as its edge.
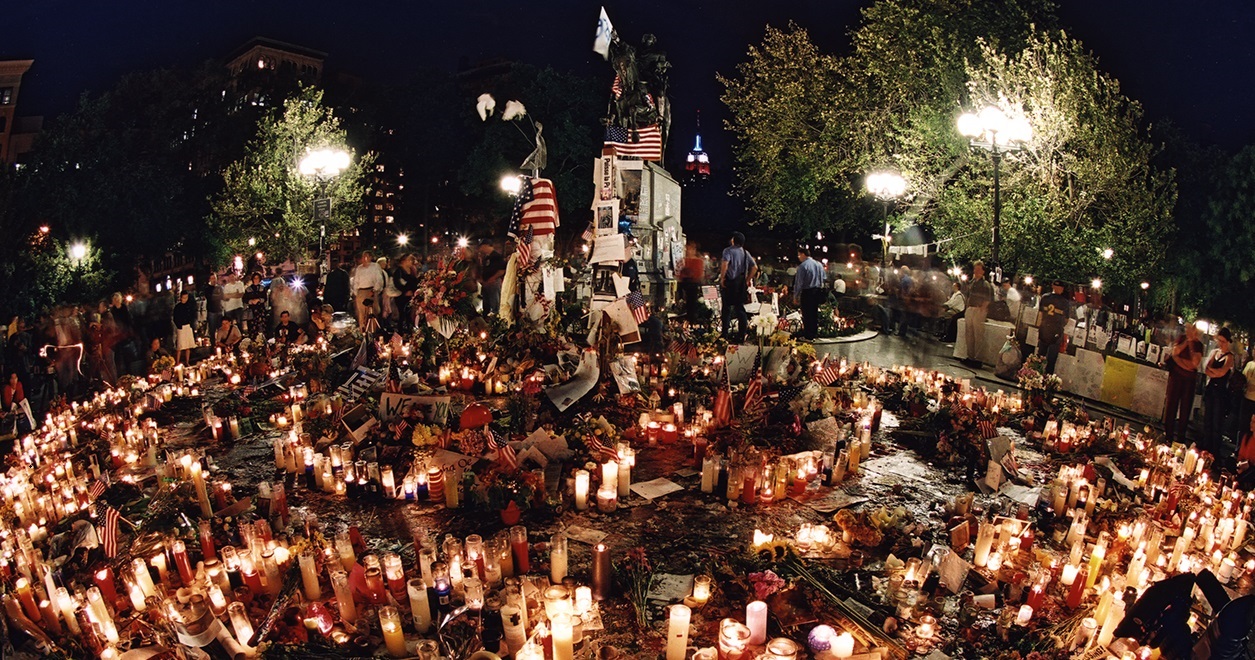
(435, 409)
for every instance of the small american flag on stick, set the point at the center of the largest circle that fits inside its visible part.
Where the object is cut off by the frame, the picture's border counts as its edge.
(109, 536)
(508, 458)
(640, 311)
(98, 488)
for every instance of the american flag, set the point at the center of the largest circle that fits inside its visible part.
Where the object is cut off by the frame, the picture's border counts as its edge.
(616, 87)
(786, 395)
(596, 448)
(508, 458)
(524, 248)
(588, 233)
(987, 429)
(754, 393)
(827, 374)
(643, 143)
(677, 346)
(110, 534)
(640, 311)
(249, 389)
(536, 206)
(98, 488)
(400, 428)
(723, 405)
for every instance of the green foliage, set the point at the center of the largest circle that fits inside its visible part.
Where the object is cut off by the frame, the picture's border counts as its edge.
(810, 125)
(266, 198)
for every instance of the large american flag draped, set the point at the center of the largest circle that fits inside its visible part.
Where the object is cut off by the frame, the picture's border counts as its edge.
(644, 143)
(640, 311)
(535, 207)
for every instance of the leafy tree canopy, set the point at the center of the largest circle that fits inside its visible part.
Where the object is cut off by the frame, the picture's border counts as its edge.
(264, 196)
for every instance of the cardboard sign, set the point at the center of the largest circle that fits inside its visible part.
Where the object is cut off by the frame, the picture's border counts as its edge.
(395, 404)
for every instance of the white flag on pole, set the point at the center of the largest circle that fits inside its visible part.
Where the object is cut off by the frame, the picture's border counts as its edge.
(601, 43)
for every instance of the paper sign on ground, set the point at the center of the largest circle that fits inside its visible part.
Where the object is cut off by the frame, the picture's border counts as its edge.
(435, 409)
(656, 488)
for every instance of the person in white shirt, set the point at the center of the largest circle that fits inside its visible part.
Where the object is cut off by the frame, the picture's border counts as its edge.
(956, 304)
(233, 299)
(838, 285)
(1012, 297)
(368, 283)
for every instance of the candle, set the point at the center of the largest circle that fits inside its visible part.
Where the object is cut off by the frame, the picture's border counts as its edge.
(519, 549)
(1114, 617)
(105, 582)
(843, 645)
(610, 475)
(420, 608)
(52, 624)
(344, 595)
(701, 589)
(557, 557)
(756, 621)
(1024, 616)
(309, 575)
(515, 633)
(394, 573)
(67, 605)
(1095, 562)
(607, 499)
(927, 627)
(623, 481)
(678, 632)
(563, 637)
(393, 638)
(202, 495)
(581, 490)
(583, 600)
(239, 621)
(603, 577)
(27, 598)
(984, 541)
(163, 572)
(179, 550)
(1069, 575)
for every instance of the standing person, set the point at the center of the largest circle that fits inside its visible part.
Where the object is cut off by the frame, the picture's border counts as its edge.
(1216, 392)
(184, 316)
(1183, 363)
(691, 271)
(390, 292)
(737, 269)
(1055, 309)
(1247, 409)
(255, 301)
(808, 291)
(405, 278)
(979, 294)
(215, 297)
(335, 291)
(233, 299)
(126, 348)
(368, 283)
(491, 273)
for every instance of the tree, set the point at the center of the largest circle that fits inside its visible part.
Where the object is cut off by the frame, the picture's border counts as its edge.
(265, 198)
(810, 125)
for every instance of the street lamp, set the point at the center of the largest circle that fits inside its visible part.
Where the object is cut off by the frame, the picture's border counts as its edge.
(403, 239)
(323, 165)
(887, 186)
(511, 184)
(991, 130)
(78, 251)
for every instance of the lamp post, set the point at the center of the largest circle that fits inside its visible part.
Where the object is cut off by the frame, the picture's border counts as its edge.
(991, 130)
(323, 165)
(887, 186)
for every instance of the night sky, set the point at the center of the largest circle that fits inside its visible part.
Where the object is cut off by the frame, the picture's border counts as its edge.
(1184, 61)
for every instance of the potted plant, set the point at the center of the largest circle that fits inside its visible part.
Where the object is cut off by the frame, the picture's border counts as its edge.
(509, 492)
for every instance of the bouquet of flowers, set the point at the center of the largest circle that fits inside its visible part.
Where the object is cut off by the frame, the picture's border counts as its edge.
(161, 365)
(440, 294)
(636, 576)
(1034, 379)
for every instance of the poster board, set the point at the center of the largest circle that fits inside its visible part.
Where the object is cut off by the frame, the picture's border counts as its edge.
(435, 409)
(1118, 382)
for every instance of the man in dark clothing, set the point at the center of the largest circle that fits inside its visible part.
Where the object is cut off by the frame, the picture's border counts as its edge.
(285, 330)
(255, 303)
(213, 303)
(336, 291)
(736, 271)
(1055, 309)
(491, 271)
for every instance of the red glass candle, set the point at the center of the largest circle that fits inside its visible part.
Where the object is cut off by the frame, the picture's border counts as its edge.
(105, 582)
(207, 540)
(181, 561)
(1078, 588)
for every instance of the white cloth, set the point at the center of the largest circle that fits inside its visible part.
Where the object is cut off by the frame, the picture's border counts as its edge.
(185, 339)
(232, 296)
(368, 276)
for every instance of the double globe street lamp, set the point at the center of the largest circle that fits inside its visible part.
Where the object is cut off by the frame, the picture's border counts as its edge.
(323, 165)
(993, 131)
(887, 186)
